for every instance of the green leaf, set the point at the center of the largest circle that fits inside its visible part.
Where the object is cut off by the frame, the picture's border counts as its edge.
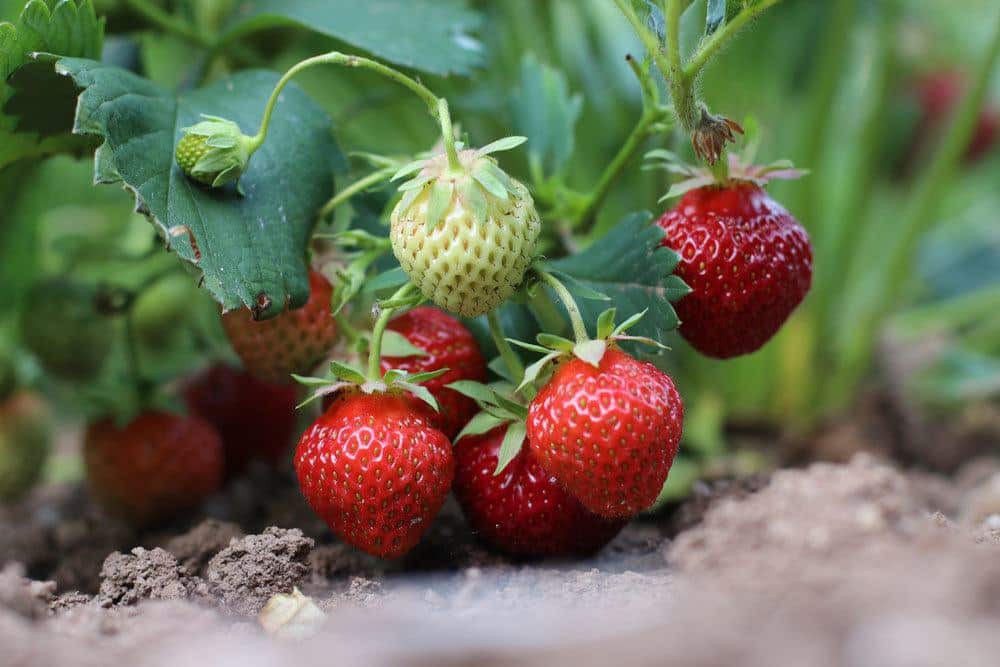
(579, 289)
(715, 15)
(483, 422)
(532, 372)
(632, 267)
(513, 440)
(429, 35)
(250, 249)
(71, 28)
(395, 344)
(387, 280)
(545, 111)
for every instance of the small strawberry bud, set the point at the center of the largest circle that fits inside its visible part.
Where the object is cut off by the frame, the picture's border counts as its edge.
(214, 151)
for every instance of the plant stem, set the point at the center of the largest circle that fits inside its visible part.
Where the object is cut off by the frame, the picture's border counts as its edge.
(507, 353)
(378, 331)
(169, 22)
(438, 108)
(711, 46)
(652, 113)
(354, 188)
(349, 331)
(569, 303)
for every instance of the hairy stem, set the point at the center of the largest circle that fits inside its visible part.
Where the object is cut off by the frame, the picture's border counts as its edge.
(569, 303)
(438, 108)
(507, 353)
(378, 330)
(652, 113)
(711, 46)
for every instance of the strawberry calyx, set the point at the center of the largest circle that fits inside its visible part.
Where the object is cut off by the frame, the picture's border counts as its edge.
(499, 405)
(475, 177)
(344, 377)
(740, 171)
(214, 151)
(591, 350)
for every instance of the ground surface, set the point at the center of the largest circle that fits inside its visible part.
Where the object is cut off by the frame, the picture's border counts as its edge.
(834, 564)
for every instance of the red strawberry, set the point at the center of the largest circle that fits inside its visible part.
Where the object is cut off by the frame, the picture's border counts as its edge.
(448, 344)
(523, 511)
(293, 342)
(608, 434)
(938, 94)
(747, 261)
(375, 469)
(255, 419)
(153, 468)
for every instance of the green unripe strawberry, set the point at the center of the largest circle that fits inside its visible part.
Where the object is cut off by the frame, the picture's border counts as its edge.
(159, 311)
(61, 326)
(465, 236)
(214, 151)
(24, 444)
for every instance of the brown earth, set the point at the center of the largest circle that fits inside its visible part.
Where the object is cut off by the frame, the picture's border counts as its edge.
(834, 564)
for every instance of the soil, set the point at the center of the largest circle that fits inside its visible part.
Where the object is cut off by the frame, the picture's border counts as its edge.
(853, 563)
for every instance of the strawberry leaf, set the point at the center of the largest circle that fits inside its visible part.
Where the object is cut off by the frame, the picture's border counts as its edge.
(249, 249)
(546, 112)
(631, 266)
(429, 35)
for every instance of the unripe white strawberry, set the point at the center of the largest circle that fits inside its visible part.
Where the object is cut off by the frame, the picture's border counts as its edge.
(465, 236)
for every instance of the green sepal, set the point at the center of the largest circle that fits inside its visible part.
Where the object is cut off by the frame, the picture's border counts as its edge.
(322, 387)
(490, 182)
(416, 183)
(477, 391)
(606, 323)
(440, 199)
(346, 373)
(407, 169)
(591, 351)
(395, 344)
(551, 342)
(532, 372)
(505, 144)
(578, 288)
(474, 199)
(529, 346)
(499, 366)
(513, 440)
(418, 378)
(483, 422)
(421, 392)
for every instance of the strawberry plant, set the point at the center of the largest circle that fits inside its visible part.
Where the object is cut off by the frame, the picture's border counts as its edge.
(439, 238)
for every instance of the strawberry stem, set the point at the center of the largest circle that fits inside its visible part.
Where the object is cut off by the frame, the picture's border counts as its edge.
(575, 316)
(438, 107)
(354, 188)
(378, 331)
(507, 353)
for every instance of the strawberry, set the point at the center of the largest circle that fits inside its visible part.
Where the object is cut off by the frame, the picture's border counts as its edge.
(154, 467)
(447, 344)
(465, 236)
(938, 93)
(375, 470)
(61, 326)
(24, 443)
(293, 342)
(523, 511)
(747, 261)
(607, 430)
(255, 419)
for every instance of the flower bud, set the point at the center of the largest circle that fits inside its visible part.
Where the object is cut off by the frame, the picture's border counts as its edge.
(214, 151)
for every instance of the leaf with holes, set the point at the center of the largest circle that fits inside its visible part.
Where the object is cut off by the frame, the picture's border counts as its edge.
(250, 249)
(631, 267)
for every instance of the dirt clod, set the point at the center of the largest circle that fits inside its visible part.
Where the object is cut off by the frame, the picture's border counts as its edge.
(250, 570)
(127, 579)
(195, 548)
(24, 597)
